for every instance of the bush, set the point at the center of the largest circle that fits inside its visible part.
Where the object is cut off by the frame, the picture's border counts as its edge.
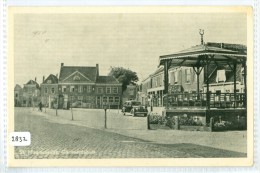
(170, 121)
(156, 119)
(230, 125)
(189, 121)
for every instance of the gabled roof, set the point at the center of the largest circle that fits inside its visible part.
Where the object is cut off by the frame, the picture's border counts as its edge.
(17, 87)
(88, 72)
(51, 79)
(107, 80)
(32, 82)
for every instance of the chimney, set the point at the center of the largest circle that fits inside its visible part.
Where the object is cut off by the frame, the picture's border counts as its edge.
(62, 64)
(97, 66)
(43, 79)
(35, 79)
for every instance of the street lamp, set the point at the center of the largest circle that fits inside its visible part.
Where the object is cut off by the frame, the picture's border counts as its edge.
(105, 118)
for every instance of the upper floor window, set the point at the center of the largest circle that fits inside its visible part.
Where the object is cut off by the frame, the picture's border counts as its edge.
(52, 90)
(187, 75)
(80, 89)
(221, 76)
(49, 81)
(64, 88)
(72, 88)
(176, 77)
(46, 90)
(108, 90)
(115, 90)
(131, 91)
(99, 90)
(88, 89)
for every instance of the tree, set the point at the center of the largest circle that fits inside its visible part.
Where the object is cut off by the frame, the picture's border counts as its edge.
(125, 76)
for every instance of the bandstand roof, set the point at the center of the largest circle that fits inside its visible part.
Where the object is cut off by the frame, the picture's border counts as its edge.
(194, 56)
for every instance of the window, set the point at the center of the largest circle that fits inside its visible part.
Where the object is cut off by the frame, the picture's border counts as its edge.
(64, 88)
(16, 95)
(99, 90)
(131, 91)
(80, 98)
(111, 99)
(80, 89)
(117, 99)
(76, 78)
(52, 90)
(221, 76)
(46, 90)
(115, 90)
(72, 98)
(72, 88)
(108, 90)
(187, 75)
(88, 89)
(104, 99)
(176, 79)
(49, 81)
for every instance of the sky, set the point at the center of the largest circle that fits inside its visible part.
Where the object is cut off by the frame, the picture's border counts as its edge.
(135, 41)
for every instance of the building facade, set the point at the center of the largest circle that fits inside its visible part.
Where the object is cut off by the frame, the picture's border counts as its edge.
(18, 95)
(83, 87)
(181, 80)
(49, 91)
(31, 94)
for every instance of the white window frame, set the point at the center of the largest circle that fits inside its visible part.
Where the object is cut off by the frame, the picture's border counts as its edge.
(115, 90)
(88, 89)
(108, 90)
(52, 90)
(110, 101)
(176, 77)
(80, 88)
(117, 99)
(72, 88)
(187, 75)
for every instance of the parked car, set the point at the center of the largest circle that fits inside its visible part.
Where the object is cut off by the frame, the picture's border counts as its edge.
(135, 108)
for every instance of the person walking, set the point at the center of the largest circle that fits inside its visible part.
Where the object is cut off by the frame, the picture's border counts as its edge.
(40, 106)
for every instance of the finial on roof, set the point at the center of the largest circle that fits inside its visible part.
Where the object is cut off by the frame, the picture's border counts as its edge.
(201, 34)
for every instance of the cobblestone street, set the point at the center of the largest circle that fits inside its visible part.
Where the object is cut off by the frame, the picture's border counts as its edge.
(51, 139)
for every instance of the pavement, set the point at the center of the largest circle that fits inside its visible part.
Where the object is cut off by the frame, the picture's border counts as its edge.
(58, 137)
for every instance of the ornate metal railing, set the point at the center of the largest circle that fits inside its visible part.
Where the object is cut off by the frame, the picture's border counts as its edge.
(216, 100)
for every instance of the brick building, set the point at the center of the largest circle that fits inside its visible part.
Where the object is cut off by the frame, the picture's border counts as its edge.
(181, 80)
(18, 95)
(31, 94)
(81, 86)
(49, 91)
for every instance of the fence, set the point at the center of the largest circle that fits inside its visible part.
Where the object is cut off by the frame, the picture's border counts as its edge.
(216, 100)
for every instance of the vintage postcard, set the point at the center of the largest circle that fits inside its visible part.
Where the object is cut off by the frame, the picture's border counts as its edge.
(130, 86)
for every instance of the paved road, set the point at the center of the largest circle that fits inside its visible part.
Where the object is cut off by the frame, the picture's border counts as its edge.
(54, 138)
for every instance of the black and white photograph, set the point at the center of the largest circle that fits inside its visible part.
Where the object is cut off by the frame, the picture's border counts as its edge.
(136, 83)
